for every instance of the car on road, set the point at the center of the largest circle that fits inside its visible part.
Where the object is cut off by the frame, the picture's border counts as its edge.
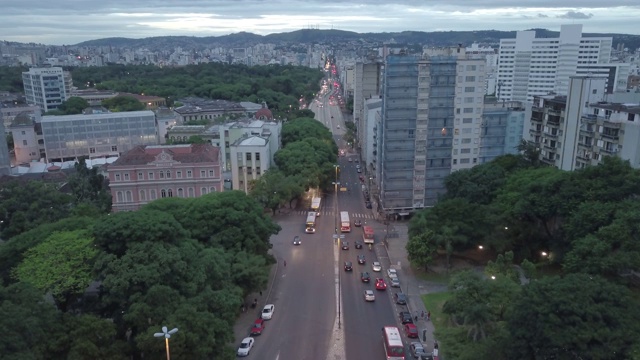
(357, 222)
(367, 204)
(296, 240)
(345, 245)
(380, 284)
(357, 244)
(411, 330)
(361, 259)
(310, 230)
(392, 273)
(348, 266)
(395, 282)
(376, 266)
(405, 317)
(365, 277)
(400, 298)
(418, 351)
(369, 295)
(338, 126)
(359, 171)
(357, 166)
(257, 327)
(350, 160)
(245, 346)
(267, 311)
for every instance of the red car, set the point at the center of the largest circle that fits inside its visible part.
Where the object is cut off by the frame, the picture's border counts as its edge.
(380, 284)
(411, 330)
(257, 327)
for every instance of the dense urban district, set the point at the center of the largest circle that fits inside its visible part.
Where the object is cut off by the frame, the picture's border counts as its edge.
(149, 199)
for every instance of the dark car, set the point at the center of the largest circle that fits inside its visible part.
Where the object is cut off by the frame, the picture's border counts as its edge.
(358, 244)
(296, 240)
(368, 204)
(365, 277)
(400, 298)
(348, 266)
(357, 223)
(361, 259)
(345, 245)
(405, 317)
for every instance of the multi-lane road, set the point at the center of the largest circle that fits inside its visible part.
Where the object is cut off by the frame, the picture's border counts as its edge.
(304, 291)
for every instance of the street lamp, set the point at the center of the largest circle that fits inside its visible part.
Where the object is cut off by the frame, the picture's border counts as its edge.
(167, 335)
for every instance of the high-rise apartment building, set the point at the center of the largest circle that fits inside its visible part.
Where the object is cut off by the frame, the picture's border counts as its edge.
(501, 130)
(5, 161)
(367, 85)
(530, 66)
(47, 87)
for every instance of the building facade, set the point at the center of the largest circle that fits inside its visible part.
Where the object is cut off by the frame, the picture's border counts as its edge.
(250, 157)
(47, 87)
(5, 160)
(10, 112)
(501, 130)
(97, 135)
(367, 78)
(530, 66)
(147, 173)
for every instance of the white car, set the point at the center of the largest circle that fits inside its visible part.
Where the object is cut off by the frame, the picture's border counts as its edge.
(395, 282)
(245, 346)
(369, 295)
(392, 273)
(376, 266)
(267, 312)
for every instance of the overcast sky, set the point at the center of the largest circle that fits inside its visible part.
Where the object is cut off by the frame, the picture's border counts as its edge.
(60, 22)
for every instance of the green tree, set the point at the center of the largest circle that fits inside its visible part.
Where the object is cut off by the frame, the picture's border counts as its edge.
(122, 103)
(477, 185)
(304, 128)
(91, 337)
(574, 317)
(89, 187)
(61, 265)
(421, 249)
(74, 105)
(503, 266)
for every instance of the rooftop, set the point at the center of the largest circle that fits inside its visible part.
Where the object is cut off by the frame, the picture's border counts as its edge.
(627, 108)
(251, 141)
(117, 115)
(187, 153)
(198, 105)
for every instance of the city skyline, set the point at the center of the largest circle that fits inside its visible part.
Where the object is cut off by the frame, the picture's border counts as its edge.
(68, 22)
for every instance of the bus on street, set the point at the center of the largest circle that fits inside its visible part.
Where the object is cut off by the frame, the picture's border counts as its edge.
(367, 234)
(393, 347)
(310, 227)
(345, 223)
(315, 205)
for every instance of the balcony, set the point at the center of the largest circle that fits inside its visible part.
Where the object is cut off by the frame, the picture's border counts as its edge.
(553, 119)
(535, 131)
(551, 135)
(549, 147)
(612, 150)
(589, 119)
(611, 135)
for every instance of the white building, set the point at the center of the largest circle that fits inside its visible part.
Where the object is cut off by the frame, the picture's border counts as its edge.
(250, 158)
(530, 66)
(372, 119)
(47, 87)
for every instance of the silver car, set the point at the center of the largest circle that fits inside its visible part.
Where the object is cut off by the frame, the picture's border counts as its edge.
(376, 266)
(395, 282)
(418, 351)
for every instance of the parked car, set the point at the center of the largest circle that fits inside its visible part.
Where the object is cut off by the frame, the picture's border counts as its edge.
(267, 311)
(369, 295)
(392, 273)
(411, 330)
(400, 298)
(361, 259)
(245, 346)
(395, 282)
(405, 317)
(418, 351)
(348, 266)
(365, 277)
(257, 327)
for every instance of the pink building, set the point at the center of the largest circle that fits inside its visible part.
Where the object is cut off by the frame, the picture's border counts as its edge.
(150, 172)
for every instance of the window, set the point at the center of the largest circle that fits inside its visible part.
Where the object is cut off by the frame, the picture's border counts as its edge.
(212, 189)
(468, 100)
(469, 89)
(161, 174)
(471, 68)
(150, 176)
(466, 141)
(179, 174)
(126, 176)
(203, 191)
(180, 192)
(464, 161)
(168, 174)
(465, 151)
(248, 156)
(468, 110)
(143, 195)
(455, 161)
(211, 173)
(153, 194)
(119, 197)
(129, 195)
(249, 170)
(24, 142)
(189, 174)
(24, 132)
(114, 148)
(170, 192)
(202, 173)
(91, 150)
(191, 192)
(140, 176)
(163, 193)
(257, 170)
(257, 156)
(470, 78)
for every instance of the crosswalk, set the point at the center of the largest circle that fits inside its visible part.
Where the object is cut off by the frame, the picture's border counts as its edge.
(331, 213)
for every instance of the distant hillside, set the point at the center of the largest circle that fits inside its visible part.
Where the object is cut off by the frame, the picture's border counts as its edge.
(438, 38)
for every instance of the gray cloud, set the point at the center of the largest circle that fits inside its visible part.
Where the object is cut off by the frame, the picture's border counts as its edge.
(575, 15)
(542, 15)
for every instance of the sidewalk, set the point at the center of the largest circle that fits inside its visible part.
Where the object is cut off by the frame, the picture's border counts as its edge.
(410, 285)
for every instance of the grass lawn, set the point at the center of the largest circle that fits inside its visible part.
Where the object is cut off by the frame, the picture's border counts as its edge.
(433, 302)
(432, 276)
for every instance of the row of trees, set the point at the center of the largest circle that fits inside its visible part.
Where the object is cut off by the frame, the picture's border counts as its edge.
(584, 223)
(306, 160)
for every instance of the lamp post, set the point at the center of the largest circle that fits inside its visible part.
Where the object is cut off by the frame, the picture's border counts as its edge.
(167, 335)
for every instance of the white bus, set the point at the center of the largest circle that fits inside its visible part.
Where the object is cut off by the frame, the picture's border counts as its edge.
(345, 223)
(311, 223)
(315, 205)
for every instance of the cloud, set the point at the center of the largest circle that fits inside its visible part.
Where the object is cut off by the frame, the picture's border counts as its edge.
(542, 15)
(575, 15)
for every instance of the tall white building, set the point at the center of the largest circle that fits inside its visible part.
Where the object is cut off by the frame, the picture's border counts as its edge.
(530, 66)
(47, 87)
